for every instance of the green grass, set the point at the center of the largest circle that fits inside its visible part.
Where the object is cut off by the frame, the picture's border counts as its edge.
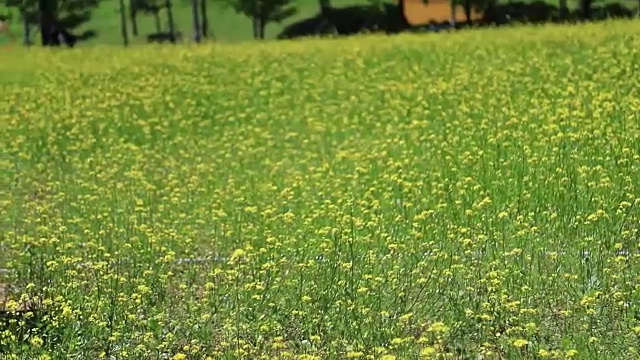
(374, 198)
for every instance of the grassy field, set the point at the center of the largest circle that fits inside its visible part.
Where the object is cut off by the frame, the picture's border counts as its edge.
(372, 198)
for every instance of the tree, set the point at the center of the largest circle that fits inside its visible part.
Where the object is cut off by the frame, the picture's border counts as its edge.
(123, 24)
(326, 12)
(563, 9)
(205, 18)
(47, 10)
(53, 16)
(5, 27)
(453, 13)
(466, 4)
(152, 7)
(262, 12)
(585, 7)
(26, 26)
(172, 30)
(484, 6)
(133, 16)
(478, 5)
(196, 20)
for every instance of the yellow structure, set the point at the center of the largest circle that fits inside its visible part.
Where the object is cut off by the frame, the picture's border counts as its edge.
(418, 13)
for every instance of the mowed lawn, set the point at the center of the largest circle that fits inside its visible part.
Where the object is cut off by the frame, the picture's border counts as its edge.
(464, 196)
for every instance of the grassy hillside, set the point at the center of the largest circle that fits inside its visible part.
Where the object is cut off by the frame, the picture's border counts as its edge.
(361, 198)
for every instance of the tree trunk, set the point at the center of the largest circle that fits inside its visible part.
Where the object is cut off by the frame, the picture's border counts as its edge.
(196, 21)
(123, 24)
(453, 14)
(259, 26)
(256, 27)
(156, 15)
(585, 7)
(467, 11)
(403, 19)
(205, 18)
(263, 25)
(324, 5)
(47, 10)
(563, 9)
(133, 17)
(326, 11)
(26, 38)
(172, 30)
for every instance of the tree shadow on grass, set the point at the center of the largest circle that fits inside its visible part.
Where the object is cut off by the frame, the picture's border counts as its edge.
(521, 12)
(391, 18)
(349, 20)
(164, 37)
(62, 28)
(87, 35)
(539, 12)
(612, 10)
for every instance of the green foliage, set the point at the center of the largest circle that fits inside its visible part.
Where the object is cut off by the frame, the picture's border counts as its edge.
(482, 4)
(377, 5)
(8, 16)
(70, 13)
(265, 10)
(148, 6)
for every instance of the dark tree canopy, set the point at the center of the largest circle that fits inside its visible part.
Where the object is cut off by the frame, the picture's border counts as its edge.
(53, 16)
